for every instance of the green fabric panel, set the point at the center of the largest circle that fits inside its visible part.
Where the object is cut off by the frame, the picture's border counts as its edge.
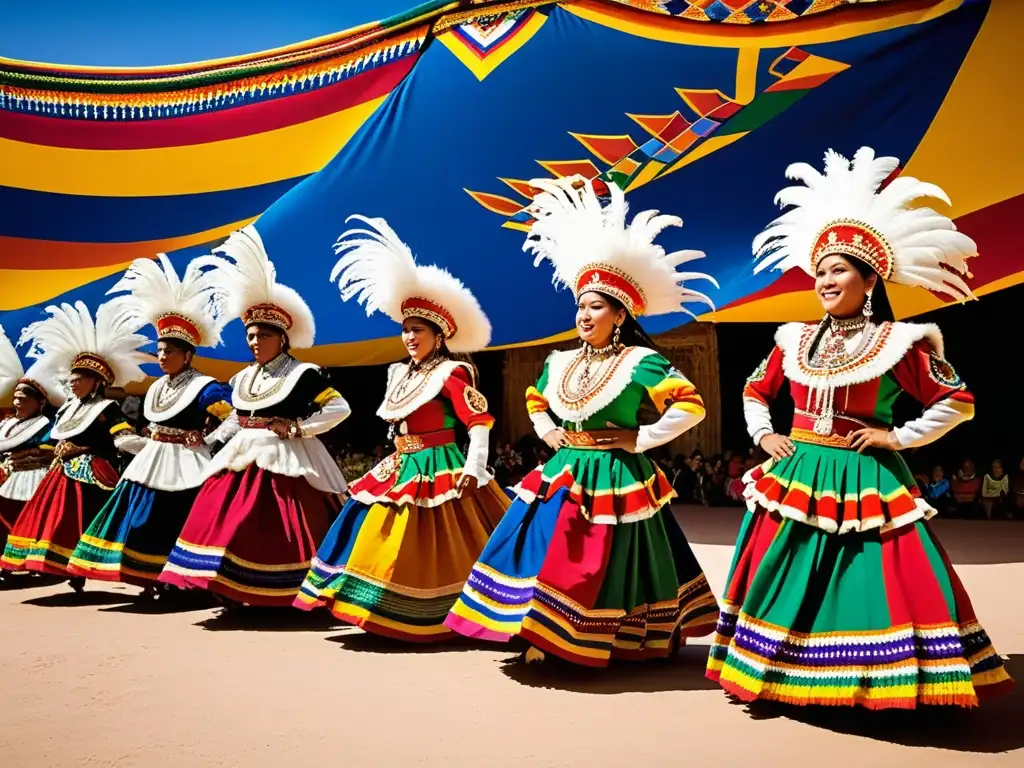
(939, 568)
(598, 471)
(430, 462)
(640, 569)
(888, 392)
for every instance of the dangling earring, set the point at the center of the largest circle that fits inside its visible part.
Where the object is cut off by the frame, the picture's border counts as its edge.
(867, 307)
(616, 337)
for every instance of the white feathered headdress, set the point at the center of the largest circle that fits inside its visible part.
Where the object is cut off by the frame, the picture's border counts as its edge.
(12, 374)
(11, 369)
(842, 211)
(191, 309)
(70, 340)
(593, 249)
(256, 296)
(379, 270)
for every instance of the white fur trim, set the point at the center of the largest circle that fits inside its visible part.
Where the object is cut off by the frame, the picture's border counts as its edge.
(378, 270)
(431, 388)
(891, 343)
(559, 361)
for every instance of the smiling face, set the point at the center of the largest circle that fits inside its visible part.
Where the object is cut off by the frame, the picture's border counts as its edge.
(264, 342)
(83, 384)
(597, 318)
(172, 358)
(26, 402)
(841, 288)
(421, 338)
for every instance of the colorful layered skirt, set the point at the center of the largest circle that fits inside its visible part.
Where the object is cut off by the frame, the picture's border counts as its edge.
(52, 521)
(250, 536)
(873, 617)
(627, 586)
(397, 557)
(132, 536)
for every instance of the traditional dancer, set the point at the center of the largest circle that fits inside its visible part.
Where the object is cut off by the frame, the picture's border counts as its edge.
(589, 563)
(269, 494)
(25, 448)
(89, 430)
(397, 557)
(839, 593)
(136, 530)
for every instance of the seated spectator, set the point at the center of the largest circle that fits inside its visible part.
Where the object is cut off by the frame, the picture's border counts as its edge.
(938, 491)
(966, 487)
(995, 490)
(1018, 491)
(683, 479)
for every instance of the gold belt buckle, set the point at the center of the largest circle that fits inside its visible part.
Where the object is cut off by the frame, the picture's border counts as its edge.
(580, 439)
(409, 443)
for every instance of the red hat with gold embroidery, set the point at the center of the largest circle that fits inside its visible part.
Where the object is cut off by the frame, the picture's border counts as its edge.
(850, 210)
(190, 309)
(593, 249)
(380, 271)
(256, 296)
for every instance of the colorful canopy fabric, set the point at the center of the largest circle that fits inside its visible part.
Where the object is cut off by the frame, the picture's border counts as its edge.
(436, 119)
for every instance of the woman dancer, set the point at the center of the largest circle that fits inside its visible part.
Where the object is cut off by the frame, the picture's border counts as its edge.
(88, 430)
(397, 557)
(839, 592)
(25, 448)
(589, 563)
(268, 495)
(135, 531)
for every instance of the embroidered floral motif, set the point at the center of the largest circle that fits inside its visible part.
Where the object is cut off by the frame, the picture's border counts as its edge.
(759, 373)
(387, 468)
(942, 372)
(475, 400)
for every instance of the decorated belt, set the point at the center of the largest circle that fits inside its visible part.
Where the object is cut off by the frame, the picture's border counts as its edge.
(257, 422)
(414, 443)
(584, 440)
(837, 437)
(169, 435)
(31, 462)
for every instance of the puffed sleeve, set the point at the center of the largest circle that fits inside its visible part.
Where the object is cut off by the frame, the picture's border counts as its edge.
(537, 405)
(126, 439)
(933, 382)
(760, 390)
(471, 408)
(333, 408)
(215, 399)
(675, 398)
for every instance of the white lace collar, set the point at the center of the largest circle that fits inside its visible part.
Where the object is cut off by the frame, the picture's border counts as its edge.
(14, 433)
(75, 417)
(284, 380)
(164, 402)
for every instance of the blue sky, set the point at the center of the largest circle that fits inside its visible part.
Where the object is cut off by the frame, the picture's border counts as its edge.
(129, 33)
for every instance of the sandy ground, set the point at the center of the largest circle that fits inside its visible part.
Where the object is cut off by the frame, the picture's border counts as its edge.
(98, 680)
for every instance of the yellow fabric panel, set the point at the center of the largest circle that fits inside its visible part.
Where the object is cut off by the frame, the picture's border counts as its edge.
(246, 161)
(219, 410)
(989, 83)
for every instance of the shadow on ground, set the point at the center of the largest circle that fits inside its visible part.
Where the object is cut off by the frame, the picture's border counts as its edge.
(72, 599)
(357, 640)
(684, 672)
(263, 619)
(996, 726)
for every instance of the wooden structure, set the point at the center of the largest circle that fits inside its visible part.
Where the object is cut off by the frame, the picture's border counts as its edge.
(693, 349)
